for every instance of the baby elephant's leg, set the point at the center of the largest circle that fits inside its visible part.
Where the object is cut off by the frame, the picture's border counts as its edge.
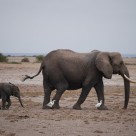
(3, 104)
(9, 103)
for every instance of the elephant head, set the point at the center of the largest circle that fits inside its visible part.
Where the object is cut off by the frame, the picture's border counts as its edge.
(112, 63)
(16, 92)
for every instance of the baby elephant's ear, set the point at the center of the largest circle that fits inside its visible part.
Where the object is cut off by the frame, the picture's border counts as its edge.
(7, 89)
(103, 64)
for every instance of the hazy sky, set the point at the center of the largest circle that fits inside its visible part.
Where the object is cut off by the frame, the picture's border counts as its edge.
(39, 26)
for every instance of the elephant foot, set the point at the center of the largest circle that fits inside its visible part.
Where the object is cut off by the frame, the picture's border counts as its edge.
(77, 107)
(102, 107)
(55, 106)
(7, 107)
(124, 108)
(1, 108)
(46, 107)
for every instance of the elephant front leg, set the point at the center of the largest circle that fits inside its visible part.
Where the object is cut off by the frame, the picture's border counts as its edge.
(9, 103)
(99, 87)
(83, 95)
(3, 104)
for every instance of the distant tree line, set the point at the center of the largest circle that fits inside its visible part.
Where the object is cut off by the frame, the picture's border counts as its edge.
(4, 58)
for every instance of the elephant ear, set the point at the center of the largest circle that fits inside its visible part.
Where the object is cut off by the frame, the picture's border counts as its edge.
(7, 89)
(103, 64)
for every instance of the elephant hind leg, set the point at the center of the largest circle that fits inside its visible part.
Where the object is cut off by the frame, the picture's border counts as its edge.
(47, 93)
(84, 93)
(57, 98)
(60, 84)
(61, 87)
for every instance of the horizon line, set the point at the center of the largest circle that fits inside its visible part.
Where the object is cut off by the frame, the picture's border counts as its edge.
(33, 54)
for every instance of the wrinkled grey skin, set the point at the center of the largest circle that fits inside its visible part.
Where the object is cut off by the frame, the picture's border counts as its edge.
(67, 70)
(7, 90)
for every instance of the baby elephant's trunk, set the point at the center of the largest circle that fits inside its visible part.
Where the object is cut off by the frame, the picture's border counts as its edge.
(20, 101)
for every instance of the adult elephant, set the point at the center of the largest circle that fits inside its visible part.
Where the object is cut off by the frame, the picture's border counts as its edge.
(68, 70)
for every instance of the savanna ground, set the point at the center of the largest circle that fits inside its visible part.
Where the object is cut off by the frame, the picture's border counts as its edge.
(34, 121)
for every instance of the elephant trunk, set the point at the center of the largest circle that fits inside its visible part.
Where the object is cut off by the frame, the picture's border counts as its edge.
(127, 92)
(20, 101)
(126, 87)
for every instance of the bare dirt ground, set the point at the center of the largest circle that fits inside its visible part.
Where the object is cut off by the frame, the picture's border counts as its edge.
(34, 121)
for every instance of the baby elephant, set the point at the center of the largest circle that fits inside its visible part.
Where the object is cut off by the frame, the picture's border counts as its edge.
(6, 90)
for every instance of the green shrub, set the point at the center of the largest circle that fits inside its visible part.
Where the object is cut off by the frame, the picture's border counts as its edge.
(39, 58)
(3, 58)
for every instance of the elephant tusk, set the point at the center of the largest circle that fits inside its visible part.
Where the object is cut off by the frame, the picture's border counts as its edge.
(129, 79)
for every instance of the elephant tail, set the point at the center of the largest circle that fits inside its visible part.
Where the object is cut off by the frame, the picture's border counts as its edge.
(31, 77)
